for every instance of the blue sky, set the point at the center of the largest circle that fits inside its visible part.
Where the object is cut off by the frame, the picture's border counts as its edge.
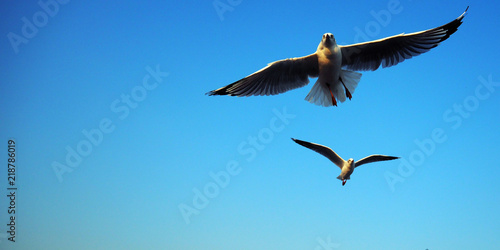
(118, 147)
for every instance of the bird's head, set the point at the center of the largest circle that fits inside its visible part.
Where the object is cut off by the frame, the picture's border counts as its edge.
(328, 39)
(350, 162)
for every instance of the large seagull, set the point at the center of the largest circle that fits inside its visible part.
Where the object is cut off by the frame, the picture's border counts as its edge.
(335, 65)
(346, 167)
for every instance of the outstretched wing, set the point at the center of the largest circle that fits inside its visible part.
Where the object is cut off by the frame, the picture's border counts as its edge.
(278, 77)
(325, 151)
(395, 49)
(374, 158)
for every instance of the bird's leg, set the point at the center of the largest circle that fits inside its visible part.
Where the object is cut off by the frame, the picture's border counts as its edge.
(346, 90)
(334, 102)
(343, 182)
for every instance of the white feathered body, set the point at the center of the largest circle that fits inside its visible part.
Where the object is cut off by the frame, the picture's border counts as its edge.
(347, 170)
(330, 73)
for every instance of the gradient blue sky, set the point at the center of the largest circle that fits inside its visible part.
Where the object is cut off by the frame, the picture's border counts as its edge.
(162, 146)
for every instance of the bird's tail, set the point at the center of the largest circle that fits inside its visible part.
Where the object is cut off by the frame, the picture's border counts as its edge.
(340, 177)
(350, 79)
(321, 95)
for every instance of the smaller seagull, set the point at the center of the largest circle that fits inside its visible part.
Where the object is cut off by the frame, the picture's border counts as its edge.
(346, 167)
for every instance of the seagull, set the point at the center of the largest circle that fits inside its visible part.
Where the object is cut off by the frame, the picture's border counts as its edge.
(346, 167)
(335, 65)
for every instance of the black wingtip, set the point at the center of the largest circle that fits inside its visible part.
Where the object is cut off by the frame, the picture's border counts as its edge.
(463, 14)
(221, 91)
(210, 93)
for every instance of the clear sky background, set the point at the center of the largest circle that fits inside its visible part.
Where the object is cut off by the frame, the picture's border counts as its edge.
(145, 179)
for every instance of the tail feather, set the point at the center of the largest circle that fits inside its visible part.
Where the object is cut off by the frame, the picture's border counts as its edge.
(338, 92)
(320, 94)
(340, 177)
(350, 79)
